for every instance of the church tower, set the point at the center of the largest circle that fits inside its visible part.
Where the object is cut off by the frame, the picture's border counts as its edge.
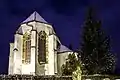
(34, 49)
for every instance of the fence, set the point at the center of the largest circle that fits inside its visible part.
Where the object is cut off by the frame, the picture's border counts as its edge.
(84, 77)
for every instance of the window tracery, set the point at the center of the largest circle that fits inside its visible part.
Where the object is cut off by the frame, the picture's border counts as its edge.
(26, 56)
(42, 47)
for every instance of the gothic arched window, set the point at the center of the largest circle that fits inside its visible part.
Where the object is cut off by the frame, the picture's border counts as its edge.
(42, 47)
(26, 56)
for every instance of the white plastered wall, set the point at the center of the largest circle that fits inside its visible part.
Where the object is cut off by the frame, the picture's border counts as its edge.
(17, 54)
(55, 54)
(48, 68)
(29, 68)
(40, 69)
(11, 58)
(33, 51)
(51, 55)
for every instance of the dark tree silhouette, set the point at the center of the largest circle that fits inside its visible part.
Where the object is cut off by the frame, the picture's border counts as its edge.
(95, 47)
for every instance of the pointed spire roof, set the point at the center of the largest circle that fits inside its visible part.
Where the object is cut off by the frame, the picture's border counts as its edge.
(34, 16)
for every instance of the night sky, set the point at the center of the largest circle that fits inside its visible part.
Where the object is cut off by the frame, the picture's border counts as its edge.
(67, 17)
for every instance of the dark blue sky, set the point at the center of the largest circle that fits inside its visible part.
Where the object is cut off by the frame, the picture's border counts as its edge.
(67, 17)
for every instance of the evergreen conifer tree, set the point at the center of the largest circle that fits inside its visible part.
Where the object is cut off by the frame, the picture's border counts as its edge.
(95, 48)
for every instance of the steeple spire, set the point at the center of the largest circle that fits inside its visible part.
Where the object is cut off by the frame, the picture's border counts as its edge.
(36, 17)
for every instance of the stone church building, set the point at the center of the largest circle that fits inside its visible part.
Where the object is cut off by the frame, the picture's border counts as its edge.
(36, 49)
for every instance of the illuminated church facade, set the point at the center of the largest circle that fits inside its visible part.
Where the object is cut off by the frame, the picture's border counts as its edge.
(36, 49)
